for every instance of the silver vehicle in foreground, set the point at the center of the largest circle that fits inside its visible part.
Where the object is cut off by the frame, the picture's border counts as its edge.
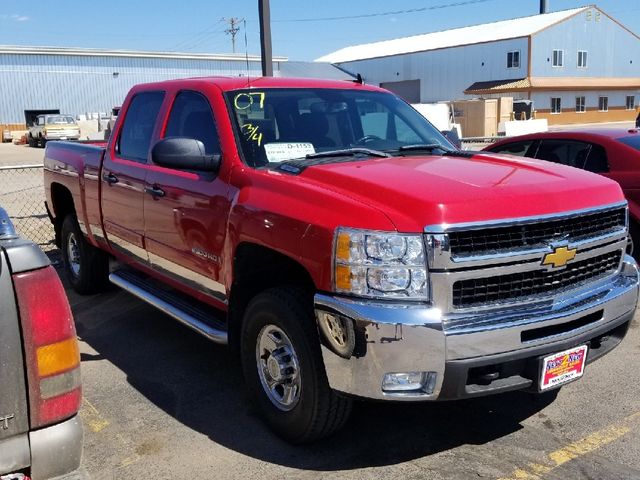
(40, 393)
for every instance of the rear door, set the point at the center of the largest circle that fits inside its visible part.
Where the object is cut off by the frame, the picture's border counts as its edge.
(124, 172)
(14, 413)
(185, 228)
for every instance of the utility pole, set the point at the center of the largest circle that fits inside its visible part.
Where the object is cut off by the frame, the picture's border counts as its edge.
(543, 6)
(234, 28)
(265, 38)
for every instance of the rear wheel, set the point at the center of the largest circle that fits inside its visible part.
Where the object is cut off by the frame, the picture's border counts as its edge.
(283, 367)
(86, 267)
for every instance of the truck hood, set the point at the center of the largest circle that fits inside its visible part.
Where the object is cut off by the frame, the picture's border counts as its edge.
(416, 191)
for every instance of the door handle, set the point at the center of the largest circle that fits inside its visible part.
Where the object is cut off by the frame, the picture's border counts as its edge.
(155, 191)
(110, 178)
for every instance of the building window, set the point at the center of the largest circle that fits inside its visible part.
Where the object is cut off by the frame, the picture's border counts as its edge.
(556, 105)
(580, 105)
(631, 102)
(582, 59)
(513, 59)
(558, 58)
(603, 104)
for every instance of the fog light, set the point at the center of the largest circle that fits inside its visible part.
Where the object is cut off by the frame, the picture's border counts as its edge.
(423, 382)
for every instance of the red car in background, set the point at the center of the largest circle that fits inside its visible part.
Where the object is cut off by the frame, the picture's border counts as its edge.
(614, 153)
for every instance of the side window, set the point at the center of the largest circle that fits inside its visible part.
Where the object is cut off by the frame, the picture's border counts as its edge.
(597, 161)
(191, 117)
(567, 152)
(520, 149)
(135, 136)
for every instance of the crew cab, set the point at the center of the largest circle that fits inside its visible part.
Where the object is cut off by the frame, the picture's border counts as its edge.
(52, 127)
(342, 246)
(40, 433)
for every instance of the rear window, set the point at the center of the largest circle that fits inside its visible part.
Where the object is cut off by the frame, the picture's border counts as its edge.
(633, 142)
(135, 136)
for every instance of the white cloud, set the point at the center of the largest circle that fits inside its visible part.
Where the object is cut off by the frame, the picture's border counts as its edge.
(14, 17)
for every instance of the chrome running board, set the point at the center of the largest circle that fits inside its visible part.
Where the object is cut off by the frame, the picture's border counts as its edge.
(185, 312)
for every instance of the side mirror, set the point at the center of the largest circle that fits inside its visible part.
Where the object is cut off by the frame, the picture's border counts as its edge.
(184, 154)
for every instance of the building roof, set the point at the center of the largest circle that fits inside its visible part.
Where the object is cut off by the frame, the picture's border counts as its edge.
(553, 84)
(100, 52)
(487, 32)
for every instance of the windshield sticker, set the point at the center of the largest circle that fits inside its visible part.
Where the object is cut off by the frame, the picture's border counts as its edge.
(280, 152)
(252, 132)
(242, 101)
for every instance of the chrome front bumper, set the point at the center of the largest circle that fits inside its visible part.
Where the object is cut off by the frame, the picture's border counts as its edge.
(392, 337)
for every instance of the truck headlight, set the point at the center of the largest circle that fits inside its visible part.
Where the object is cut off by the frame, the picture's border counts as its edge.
(380, 264)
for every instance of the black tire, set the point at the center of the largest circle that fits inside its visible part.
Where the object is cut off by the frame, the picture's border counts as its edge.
(319, 411)
(31, 141)
(89, 271)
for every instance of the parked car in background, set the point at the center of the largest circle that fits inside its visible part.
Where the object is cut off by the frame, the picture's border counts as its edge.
(52, 127)
(40, 432)
(613, 153)
(6, 135)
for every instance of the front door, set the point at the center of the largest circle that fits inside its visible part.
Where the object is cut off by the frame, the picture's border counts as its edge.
(123, 178)
(185, 227)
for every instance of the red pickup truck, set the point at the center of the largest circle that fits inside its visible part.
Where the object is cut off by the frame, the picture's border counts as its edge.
(342, 246)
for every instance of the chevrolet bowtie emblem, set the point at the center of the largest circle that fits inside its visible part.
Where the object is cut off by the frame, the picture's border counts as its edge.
(559, 257)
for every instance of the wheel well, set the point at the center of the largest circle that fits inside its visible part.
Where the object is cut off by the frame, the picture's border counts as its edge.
(62, 205)
(255, 269)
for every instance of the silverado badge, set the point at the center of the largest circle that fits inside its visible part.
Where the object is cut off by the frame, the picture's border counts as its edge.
(559, 257)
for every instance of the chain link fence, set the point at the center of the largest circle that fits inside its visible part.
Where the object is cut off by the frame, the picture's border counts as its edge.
(22, 196)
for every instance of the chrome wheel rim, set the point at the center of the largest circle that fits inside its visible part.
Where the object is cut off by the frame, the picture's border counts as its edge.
(73, 254)
(278, 367)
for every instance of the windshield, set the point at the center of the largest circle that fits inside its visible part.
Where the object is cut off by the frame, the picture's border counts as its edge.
(633, 142)
(275, 125)
(59, 120)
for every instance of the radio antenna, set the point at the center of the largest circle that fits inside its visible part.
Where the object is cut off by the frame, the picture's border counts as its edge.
(246, 49)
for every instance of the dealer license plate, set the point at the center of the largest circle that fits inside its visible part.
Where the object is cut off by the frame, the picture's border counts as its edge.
(563, 367)
(63, 138)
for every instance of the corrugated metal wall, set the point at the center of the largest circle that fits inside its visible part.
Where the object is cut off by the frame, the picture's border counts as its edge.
(81, 84)
(611, 50)
(445, 74)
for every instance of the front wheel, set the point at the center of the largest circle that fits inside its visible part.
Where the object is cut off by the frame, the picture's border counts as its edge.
(87, 268)
(283, 367)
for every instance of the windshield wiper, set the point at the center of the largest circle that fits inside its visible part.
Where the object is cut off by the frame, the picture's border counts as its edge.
(425, 146)
(348, 152)
(430, 147)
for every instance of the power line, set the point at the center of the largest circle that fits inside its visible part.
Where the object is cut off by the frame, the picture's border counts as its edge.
(196, 36)
(381, 14)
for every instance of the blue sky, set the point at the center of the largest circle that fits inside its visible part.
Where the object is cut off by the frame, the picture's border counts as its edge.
(298, 31)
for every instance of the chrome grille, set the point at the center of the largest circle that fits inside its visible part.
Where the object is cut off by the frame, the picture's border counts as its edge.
(533, 235)
(522, 285)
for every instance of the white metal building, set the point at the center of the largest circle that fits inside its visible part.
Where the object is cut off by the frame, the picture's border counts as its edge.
(578, 65)
(81, 80)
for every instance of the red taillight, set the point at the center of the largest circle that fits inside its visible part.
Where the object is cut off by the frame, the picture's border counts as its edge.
(51, 347)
